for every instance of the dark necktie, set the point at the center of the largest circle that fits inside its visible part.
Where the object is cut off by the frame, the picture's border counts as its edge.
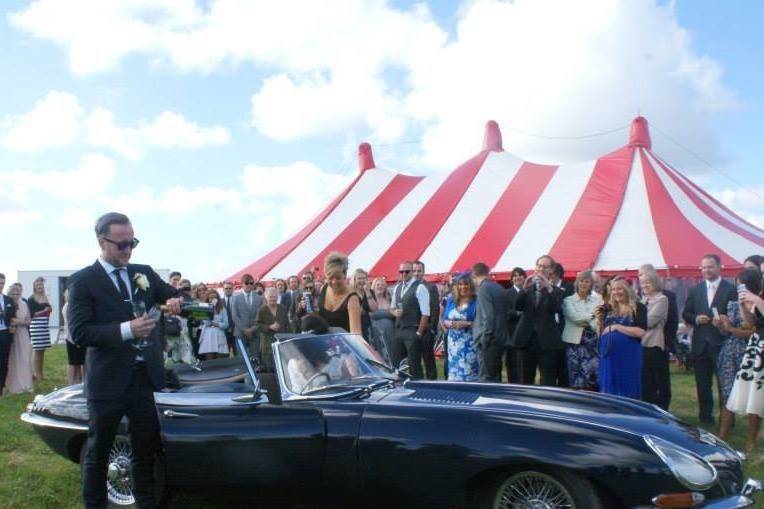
(122, 286)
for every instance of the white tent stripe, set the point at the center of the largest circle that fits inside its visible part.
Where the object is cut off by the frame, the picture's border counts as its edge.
(476, 204)
(733, 244)
(543, 225)
(374, 246)
(633, 227)
(368, 186)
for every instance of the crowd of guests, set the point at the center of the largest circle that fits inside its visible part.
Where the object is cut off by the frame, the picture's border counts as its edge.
(614, 335)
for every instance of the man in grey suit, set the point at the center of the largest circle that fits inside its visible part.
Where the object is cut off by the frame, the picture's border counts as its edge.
(490, 326)
(244, 310)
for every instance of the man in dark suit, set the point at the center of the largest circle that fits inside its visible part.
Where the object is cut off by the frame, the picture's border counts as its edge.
(294, 292)
(489, 330)
(123, 371)
(7, 313)
(428, 338)
(714, 293)
(517, 281)
(227, 301)
(537, 334)
(411, 308)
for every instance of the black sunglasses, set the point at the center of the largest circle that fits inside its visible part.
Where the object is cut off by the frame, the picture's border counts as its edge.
(247, 283)
(404, 271)
(123, 244)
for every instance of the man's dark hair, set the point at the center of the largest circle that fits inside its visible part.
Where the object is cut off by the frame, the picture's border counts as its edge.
(480, 269)
(559, 270)
(314, 324)
(247, 277)
(518, 270)
(714, 257)
(548, 257)
(259, 285)
(755, 259)
(103, 225)
(175, 273)
(2, 276)
(418, 262)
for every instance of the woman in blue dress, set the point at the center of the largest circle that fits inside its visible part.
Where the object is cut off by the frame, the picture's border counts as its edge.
(622, 323)
(458, 315)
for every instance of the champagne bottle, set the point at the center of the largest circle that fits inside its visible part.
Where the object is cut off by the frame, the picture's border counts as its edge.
(195, 310)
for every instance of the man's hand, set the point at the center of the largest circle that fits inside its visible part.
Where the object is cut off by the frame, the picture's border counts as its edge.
(397, 313)
(248, 333)
(142, 326)
(702, 319)
(174, 305)
(528, 283)
(274, 326)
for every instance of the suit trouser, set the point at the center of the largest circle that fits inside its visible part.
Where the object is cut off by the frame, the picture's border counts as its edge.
(406, 344)
(656, 380)
(5, 352)
(705, 370)
(231, 342)
(428, 355)
(489, 361)
(548, 362)
(511, 364)
(105, 415)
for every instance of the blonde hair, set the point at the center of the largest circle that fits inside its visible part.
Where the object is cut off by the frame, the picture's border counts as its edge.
(356, 273)
(585, 274)
(334, 263)
(632, 302)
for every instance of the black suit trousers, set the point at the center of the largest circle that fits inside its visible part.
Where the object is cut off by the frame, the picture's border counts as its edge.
(548, 362)
(428, 356)
(656, 380)
(5, 351)
(407, 345)
(489, 360)
(143, 427)
(705, 369)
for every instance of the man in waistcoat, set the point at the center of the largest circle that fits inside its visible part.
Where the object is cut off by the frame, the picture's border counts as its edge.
(411, 308)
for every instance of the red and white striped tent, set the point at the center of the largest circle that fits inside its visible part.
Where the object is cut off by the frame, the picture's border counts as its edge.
(613, 214)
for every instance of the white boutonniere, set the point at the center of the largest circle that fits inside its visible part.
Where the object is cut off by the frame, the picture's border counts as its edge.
(141, 281)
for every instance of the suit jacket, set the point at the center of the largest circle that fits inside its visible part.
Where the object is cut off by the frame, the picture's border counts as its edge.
(434, 306)
(705, 337)
(490, 323)
(537, 325)
(95, 312)
(672, 321)
(244, 314)
(229, 314)
(9, 311)
(513, 316)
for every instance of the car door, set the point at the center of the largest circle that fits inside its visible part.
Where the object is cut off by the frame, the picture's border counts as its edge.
(223, 439)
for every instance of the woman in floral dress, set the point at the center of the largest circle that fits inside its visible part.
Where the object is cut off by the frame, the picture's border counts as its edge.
(457, 319)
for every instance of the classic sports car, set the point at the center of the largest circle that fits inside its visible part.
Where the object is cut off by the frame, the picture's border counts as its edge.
(337, 426)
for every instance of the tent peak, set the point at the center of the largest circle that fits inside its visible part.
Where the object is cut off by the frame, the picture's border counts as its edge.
(365, 157)
(639, 136)
(492, 137)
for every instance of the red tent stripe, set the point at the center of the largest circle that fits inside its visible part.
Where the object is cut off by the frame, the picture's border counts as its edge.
(711, 213)
(668, 220)
(591, 221)
(264, 265)
(418, 234)
(361, 226)
(691, 191)
(507, 216)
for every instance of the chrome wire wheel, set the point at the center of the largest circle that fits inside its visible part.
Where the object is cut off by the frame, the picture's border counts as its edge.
(119, 478)
(533, 490)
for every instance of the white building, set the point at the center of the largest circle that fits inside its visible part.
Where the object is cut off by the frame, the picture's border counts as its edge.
(55, 284)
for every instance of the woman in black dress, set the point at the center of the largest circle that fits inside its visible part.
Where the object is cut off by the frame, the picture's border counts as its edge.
(337, 303)
(39, 329)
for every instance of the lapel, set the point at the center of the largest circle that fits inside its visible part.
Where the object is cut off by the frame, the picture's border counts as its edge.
(717, 297)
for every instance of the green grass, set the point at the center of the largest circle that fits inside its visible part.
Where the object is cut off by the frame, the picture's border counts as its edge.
(33, 477)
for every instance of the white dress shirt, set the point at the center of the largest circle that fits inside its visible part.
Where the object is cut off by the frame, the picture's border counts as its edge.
(711, 287)
(3, 325)
(124, 327)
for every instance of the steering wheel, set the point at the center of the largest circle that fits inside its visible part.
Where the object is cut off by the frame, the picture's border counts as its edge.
(313, 378)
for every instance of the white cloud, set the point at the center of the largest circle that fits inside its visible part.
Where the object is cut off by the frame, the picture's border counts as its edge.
(54, 121)
(747, 202)
(90, 180)
(168, 130)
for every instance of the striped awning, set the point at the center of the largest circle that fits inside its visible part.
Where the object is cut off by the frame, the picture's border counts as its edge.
(613, 214)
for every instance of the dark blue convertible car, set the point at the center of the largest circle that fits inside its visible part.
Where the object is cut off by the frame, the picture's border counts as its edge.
(336, 426)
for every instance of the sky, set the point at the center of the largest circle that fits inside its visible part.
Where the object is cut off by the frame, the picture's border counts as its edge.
(221, 126)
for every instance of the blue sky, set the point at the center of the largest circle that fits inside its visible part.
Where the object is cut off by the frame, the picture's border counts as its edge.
(222, 126)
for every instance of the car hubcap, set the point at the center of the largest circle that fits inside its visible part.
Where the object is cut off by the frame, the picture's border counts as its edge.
(533, 490)
(119, 480)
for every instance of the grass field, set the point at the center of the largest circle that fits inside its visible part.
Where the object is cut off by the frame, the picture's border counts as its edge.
(32, 477)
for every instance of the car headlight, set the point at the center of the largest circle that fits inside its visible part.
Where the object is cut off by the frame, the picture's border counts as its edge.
(690, 469)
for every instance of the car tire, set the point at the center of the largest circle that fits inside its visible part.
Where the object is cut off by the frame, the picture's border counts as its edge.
(119, 490)
(537, 487)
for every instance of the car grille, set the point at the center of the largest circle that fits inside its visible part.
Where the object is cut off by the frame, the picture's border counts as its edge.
(730, 476)
(441, 396)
